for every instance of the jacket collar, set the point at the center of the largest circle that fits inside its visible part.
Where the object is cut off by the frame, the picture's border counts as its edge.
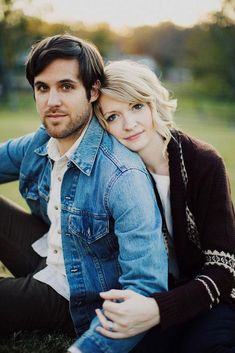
(84, 156)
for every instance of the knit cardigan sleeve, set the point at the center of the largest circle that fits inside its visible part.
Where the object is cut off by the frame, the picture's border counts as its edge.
(214, 215)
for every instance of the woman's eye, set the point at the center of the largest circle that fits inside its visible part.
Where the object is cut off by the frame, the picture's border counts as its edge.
(111, 118)
(138, 106)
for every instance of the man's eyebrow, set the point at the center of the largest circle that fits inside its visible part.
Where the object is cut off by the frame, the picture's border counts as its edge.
(38, 83)
(69, 80)
(66, 80)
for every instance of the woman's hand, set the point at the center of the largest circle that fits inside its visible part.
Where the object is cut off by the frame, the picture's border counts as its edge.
(126, 313)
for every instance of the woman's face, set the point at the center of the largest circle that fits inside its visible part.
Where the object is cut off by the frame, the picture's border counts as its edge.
(131, 124)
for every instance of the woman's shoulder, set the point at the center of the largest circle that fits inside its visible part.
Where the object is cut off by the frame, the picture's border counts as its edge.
(198, 151)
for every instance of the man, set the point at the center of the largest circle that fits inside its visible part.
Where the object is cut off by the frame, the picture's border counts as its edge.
(87, 231)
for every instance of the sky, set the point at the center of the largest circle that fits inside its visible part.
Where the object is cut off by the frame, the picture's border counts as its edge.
(121, 14)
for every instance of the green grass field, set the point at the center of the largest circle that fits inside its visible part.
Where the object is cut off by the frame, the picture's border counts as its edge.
(213, 122)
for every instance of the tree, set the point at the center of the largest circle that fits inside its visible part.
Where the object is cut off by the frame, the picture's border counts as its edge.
(211, 54)
(164, 43)
(6, 9)
(13, 41)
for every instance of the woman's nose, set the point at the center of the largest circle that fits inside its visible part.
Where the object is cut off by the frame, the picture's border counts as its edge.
(129, 122)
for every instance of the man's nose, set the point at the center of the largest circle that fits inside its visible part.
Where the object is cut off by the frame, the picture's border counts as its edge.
(53, 99)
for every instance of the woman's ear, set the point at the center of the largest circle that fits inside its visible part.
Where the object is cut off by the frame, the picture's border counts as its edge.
(95, 91)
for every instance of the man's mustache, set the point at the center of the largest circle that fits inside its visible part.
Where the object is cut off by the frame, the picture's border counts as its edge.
(55, 112)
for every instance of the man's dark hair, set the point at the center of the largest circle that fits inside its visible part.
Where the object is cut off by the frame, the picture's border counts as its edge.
(66, 46)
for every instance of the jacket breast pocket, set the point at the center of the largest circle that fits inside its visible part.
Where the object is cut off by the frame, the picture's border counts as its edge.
(30, 193)
(94, 233)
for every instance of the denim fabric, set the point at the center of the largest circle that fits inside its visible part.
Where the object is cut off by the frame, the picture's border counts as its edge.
(111, 225)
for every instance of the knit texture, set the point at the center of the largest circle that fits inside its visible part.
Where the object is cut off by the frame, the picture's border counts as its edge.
(205, 258)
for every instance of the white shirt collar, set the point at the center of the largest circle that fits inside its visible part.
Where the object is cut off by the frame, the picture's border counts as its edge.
(53, 151)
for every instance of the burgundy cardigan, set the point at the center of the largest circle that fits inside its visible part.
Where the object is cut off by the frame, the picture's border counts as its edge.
(208, 197)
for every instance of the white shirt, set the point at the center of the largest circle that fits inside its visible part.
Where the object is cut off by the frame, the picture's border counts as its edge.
(50, 245)
(163, 187)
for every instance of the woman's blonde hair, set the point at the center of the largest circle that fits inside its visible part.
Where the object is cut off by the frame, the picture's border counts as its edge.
(132, 82)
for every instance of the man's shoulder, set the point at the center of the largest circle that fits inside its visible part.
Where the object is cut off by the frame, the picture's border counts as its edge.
(39, 137)
(119, 155)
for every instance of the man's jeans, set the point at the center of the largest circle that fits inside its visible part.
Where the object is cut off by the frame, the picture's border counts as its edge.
(25, 303)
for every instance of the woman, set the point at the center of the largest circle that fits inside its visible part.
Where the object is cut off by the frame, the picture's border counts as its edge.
(197, 314)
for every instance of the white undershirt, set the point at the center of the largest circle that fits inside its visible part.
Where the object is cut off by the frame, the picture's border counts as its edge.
(163, 187)
(50, 245)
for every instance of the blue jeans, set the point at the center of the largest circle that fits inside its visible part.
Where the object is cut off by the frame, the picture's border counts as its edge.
(212, 332)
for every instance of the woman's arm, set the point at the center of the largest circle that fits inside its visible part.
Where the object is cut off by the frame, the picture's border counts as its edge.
(211, 204)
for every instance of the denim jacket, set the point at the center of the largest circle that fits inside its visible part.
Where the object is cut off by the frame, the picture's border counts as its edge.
(111, 224)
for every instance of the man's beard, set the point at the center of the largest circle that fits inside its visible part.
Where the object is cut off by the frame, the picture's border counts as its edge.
(71, 128)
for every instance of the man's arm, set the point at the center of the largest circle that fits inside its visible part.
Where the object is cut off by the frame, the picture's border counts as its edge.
(11, 155)
(138, 226)
(143, 258)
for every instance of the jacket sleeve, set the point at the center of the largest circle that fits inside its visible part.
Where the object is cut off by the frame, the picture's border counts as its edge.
(138, 226)
(11, 155)
(93, 342)
(216, 225)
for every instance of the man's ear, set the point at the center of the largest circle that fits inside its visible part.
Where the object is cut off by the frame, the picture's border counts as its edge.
(95, 91)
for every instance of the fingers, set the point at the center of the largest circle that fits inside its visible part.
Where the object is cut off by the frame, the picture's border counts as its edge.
(112, 307)
(103, 320)
(108, 328)
(110, 334)
(115, 318)
(115, 294)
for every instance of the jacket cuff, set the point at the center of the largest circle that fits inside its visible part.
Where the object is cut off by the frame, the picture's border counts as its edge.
(74, 349)
(182, 303)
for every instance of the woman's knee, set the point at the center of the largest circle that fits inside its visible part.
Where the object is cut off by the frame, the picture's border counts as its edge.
(211, 332)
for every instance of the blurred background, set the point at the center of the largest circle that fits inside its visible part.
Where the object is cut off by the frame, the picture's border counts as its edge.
(190, 44)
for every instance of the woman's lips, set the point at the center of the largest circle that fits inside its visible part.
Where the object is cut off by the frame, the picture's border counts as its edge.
(134, 136)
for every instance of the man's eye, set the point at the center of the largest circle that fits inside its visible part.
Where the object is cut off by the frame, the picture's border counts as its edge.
(41, 88)
(138, 106)
(66, 87)
(111, 118)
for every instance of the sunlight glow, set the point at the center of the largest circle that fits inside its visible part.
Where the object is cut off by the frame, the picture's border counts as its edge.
(123, 13)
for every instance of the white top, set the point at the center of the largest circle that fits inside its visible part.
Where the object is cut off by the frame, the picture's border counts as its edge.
(163, 187)
(50, 245)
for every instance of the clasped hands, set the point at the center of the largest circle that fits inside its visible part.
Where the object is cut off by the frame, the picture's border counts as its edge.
(126, 313)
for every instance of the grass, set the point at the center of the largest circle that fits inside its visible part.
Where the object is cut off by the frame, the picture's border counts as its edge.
(35, 342)
(212, 121)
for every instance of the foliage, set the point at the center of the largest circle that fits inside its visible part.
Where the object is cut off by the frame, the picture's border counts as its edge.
(165, 43)
(207, 49)
(211, 56)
